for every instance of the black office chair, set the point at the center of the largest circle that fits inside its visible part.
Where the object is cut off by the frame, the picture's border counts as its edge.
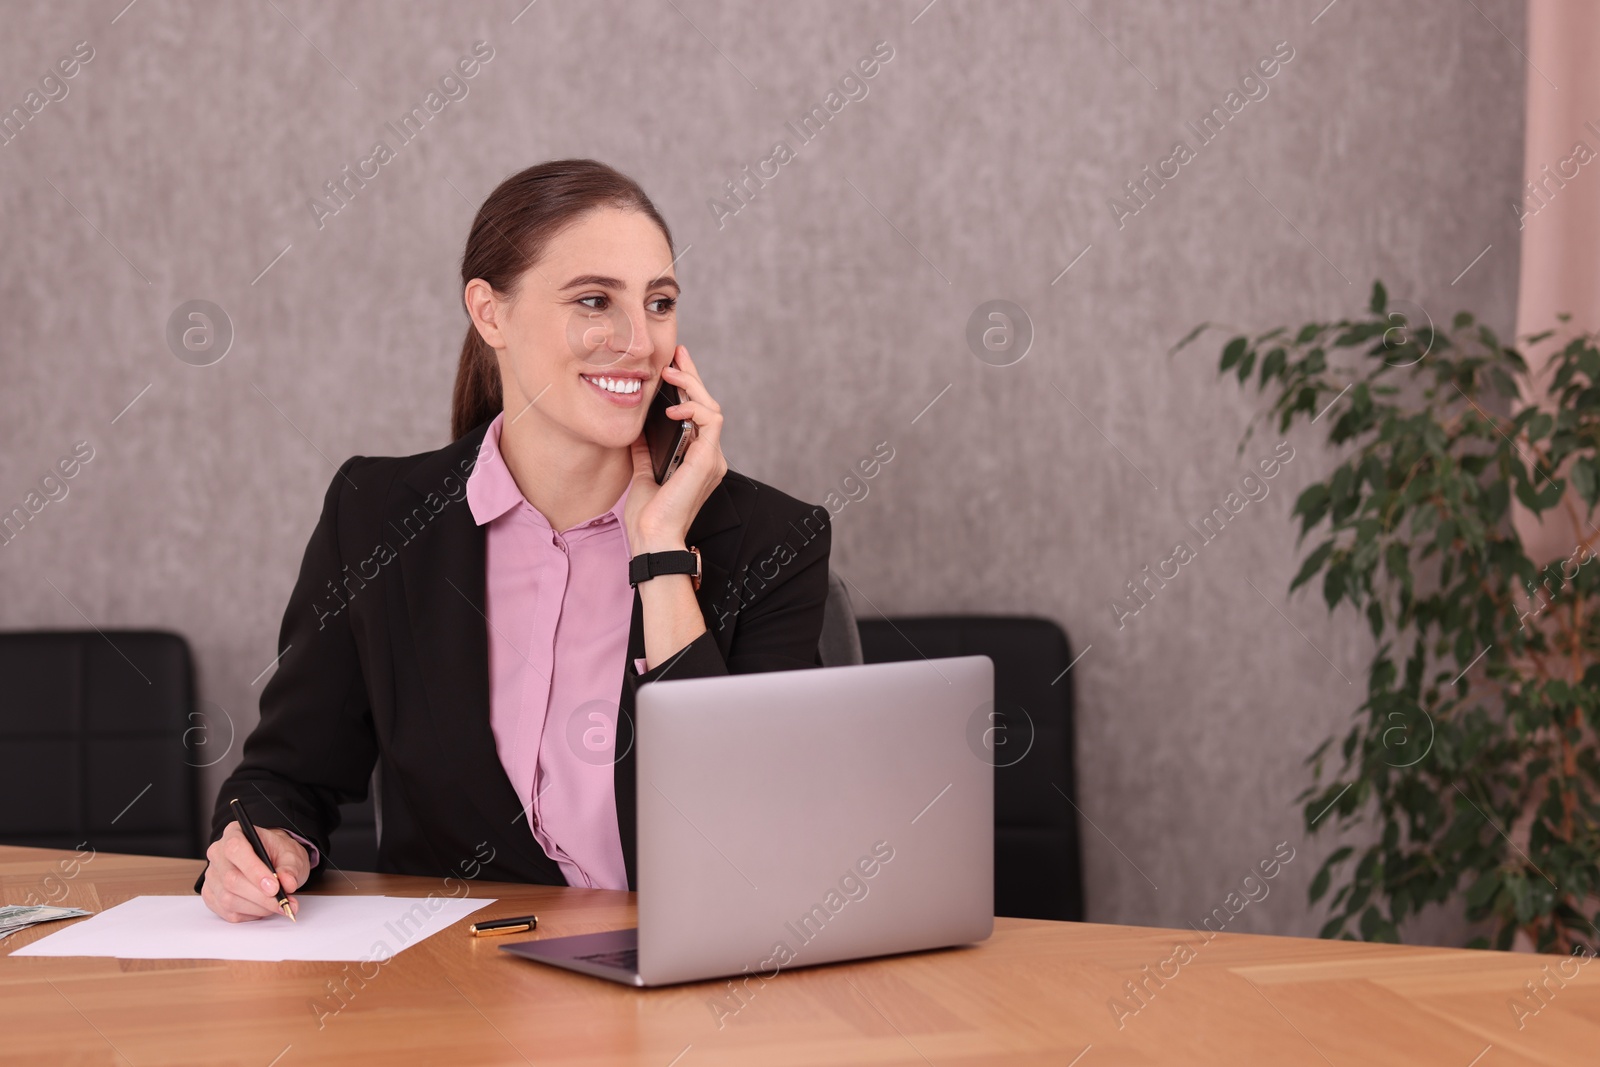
(1038, 871)
(101, 742)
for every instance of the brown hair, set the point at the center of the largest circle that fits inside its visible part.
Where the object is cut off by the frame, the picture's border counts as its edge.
(509, 235)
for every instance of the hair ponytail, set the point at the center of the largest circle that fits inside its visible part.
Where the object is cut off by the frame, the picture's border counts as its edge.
(509, 235)
(477, 393)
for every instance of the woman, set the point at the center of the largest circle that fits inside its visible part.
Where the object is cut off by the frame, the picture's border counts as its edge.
(464, 619)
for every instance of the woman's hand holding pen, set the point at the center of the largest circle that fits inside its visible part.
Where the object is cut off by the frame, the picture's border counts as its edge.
(239, 887)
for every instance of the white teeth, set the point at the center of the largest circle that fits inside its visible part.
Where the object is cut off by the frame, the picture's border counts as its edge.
(617, 385)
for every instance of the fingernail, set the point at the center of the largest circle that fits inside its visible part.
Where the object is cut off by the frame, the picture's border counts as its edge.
(268, 885)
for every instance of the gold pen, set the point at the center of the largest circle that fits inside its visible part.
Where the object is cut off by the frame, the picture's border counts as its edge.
(503, 926)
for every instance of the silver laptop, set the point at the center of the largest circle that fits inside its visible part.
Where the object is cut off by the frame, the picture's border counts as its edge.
(799, 817)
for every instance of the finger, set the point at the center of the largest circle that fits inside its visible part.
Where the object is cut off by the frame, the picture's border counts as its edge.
(260, 901)
(700, 414)
(224, 902)
(690, 387)
(686, 366)
(706, 437)
(246, 886)
(707, 443)
(289, 858)
(237, 895)
(709, 440)
(686, 377)
(235, 908)
(249, 868)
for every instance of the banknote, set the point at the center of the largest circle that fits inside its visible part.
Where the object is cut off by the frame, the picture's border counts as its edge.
(14, 917)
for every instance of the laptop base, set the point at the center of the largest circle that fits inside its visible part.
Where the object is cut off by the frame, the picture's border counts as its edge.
(610, 954)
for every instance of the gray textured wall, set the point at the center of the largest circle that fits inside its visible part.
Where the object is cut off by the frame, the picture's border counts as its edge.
(827, 315)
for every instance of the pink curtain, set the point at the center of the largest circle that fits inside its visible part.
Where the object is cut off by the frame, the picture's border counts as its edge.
(1559, 208)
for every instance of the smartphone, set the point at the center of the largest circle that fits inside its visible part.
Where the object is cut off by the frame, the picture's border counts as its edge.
(668, 438)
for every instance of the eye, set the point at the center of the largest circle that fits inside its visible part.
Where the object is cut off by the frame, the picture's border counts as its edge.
(601, 297)
(663, 304)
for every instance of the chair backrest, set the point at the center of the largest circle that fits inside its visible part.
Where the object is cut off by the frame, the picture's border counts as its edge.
(1038, 867)
(840, 645)
(101, 743)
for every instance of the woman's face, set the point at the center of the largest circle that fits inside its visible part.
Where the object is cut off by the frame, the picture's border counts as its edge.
(582, 344)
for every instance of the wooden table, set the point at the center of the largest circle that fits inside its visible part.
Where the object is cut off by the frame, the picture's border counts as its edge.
(1036, 993)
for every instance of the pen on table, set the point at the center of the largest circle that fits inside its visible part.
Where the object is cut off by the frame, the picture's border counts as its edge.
(503, 926)
(249, 829)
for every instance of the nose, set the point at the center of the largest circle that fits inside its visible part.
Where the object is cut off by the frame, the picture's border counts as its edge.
(628, 333)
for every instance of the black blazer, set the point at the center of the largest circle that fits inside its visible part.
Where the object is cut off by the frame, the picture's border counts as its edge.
(385, 658)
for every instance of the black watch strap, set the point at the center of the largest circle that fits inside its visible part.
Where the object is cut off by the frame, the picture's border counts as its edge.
(648, 565)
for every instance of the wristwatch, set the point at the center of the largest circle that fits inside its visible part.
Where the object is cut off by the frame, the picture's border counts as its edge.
(648, 565)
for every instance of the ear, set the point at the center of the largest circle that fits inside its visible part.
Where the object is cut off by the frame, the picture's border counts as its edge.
(484, 310)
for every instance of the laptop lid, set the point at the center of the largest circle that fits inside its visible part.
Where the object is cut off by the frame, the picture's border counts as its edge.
(800, 817)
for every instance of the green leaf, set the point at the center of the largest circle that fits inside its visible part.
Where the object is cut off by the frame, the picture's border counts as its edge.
(1380, 299)
(1550, 495)
(1484, 889)
(1272, 366)
(1528, 495)
(1245, 364)
(1585, 481)
(1336, 584)
(1312, 504)
(1312, 565)
(1342, 493)
(1230, 354)
(1589, 363)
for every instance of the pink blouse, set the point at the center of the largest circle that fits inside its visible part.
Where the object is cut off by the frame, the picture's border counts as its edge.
(555, 665)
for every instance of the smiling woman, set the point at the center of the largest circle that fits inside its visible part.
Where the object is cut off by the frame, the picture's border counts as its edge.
(490, 673)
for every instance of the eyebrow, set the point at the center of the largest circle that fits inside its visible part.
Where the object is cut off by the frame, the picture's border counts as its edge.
(613, 283)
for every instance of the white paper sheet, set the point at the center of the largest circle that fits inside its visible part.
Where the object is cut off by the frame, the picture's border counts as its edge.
(367, 928)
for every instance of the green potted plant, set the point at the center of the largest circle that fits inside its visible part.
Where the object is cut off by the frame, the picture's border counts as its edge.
(1473, 758)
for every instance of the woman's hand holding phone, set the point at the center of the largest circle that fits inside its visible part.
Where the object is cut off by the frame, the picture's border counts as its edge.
(658, 516)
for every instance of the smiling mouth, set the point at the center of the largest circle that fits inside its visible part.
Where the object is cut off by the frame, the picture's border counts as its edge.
(620, 386)
(625, 391)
